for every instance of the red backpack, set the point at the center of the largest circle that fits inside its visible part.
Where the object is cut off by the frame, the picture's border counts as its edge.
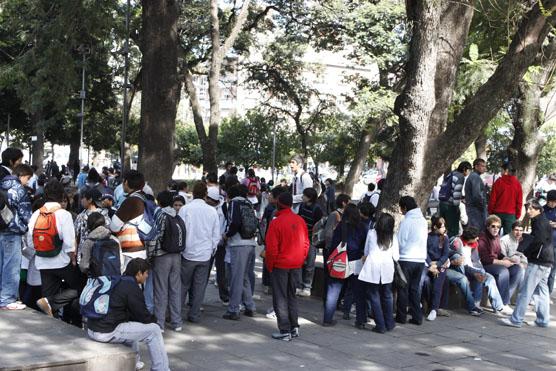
(337, 263)
(46, 240)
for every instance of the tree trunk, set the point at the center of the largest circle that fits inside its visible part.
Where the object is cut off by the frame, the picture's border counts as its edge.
(160, 91)
(415, 105)
(481, 146)
(359, 161)
(73, 161)
(418, 168)
(38, 145)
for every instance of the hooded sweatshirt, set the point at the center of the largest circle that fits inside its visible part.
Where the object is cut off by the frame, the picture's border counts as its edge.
(506, 196)
(84, 257)
(412, 237)
(19, 203)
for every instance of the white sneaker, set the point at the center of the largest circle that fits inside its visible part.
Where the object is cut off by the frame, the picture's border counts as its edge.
(507, 310)
(14, 306)
(305, 293)
(139, 365)
(508, 322)
(432, 315)
(178, 329)
(271, 314)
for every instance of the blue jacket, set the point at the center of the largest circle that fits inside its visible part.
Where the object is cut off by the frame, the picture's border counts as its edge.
(19, 202)
(551, 216)
(355, 239)
(435, 252)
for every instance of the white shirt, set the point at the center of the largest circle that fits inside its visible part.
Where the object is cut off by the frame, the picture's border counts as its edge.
(202, 228)
(379, 265)
(66, 232)
(300, 181)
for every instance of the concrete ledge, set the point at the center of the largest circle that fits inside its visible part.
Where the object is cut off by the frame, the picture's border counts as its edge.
(33, 341)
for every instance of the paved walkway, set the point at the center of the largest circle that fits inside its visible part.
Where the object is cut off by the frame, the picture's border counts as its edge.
(460, 342)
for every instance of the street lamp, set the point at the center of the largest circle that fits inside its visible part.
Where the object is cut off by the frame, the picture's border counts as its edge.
(84, 50)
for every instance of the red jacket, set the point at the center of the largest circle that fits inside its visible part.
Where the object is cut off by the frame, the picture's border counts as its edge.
(506, 196)
(287, 241)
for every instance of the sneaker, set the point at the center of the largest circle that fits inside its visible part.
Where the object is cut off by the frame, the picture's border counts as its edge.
(178, 329)
(271, 314)
(432, 315)
(295, 332)
(14, 306)
(139, 365)
(508, 322)
(378, 331)
(476, 311)
(443, 313)
(506, 310)
(305, 293)
(43, 305)
(360, 326)
(225, 303)
(286, 336)
(249, 313)
(298, 292)
(329, 324)
(231, 316)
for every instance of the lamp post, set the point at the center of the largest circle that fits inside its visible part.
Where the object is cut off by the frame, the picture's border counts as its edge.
(84, 50)
(126, 83)
(273, 151)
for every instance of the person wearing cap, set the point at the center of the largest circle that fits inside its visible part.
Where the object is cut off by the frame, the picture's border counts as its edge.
(287, 246)
(550, 214)
(202, 227)
(216, 200)
(108, 204)
(91, 203)
(506, 198)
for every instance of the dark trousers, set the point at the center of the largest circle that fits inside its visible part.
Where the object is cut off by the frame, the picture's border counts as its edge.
(507, 279)
(476, 217)
(551, 276)
(437, 284)
(507, 221)
(284, 301)
(411, 294)
(60, 286)
(382, 303)
(220, 265)
(451, 215)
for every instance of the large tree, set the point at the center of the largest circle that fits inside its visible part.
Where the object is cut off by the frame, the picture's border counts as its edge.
(428, 143)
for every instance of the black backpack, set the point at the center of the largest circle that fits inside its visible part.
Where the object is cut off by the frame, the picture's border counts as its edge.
(173, 240)
(105, 258)
(249, 221)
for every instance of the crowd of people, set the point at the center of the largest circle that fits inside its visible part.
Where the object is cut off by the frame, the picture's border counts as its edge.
(110, 256)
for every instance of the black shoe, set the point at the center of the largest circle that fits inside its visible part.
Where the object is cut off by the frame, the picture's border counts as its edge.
(378, 331)
(360, 326)
(346, 316)
(402, 321)
(415, 322)
(295, 332)
(284, 336)
(193, 320)
(231, 316)
(329, 324)
(249, 313)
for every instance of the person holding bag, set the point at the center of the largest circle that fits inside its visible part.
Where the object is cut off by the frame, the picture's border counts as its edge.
(381, 253)
(351, 232)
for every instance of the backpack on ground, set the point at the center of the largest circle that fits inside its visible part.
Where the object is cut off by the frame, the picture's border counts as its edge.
(46, 241)
(446, 189)
(95, 297)
(337, 262)
(249, 221)
(252, 187)
(173, 240)
(146, 227)
(105, 258)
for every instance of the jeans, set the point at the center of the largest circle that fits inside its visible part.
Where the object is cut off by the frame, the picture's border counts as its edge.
(333, 293)
(507, 279)
(10, 265)
(534, 286)
(284, 301)
(148, 292)
(411, 294)
(241, 261)
(194, 278)
(493, 294)
(476, 217)
(382, 303)
(130, 334)
(551, 276)
(305, 280)
(460, 280)
(166, 274)
(451, 215)
(437, 284)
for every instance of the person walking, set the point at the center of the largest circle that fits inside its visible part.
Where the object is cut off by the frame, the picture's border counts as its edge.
(287, 245)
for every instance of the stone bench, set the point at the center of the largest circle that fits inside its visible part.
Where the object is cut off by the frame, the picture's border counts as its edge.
(32, 341)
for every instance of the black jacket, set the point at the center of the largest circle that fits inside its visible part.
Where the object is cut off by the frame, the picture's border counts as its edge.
(127, 303)
(538, 247)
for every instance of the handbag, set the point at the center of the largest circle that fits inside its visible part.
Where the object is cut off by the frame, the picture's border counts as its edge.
(400, 281)
(337, 262)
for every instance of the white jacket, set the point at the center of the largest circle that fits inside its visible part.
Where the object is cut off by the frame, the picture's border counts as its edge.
(412, 237)
(379, 264)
